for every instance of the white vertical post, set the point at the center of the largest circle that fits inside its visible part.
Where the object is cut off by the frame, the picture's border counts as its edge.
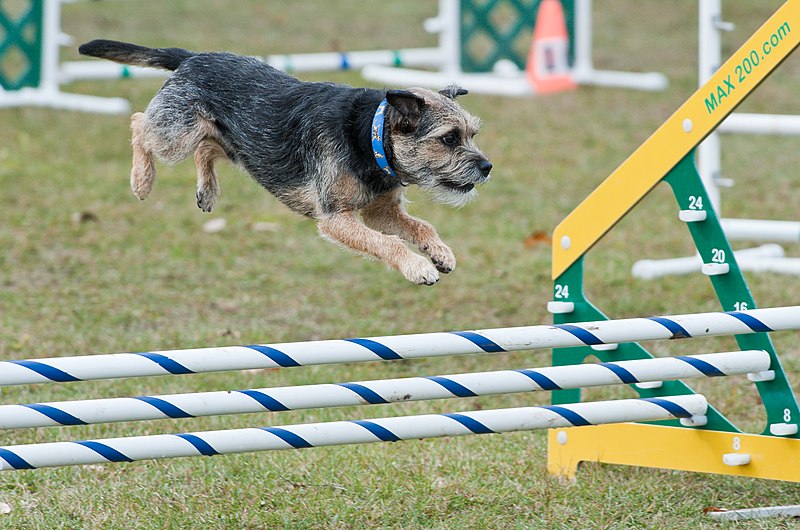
(709, 58)
(51, 30)
(448, 24)
(583, 39)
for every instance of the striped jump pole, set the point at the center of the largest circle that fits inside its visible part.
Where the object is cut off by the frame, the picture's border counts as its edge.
(192, 405)
(299, 62)
(491, 341)
(209, 443)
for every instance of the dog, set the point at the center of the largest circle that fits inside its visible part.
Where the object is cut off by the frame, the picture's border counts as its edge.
(337, 154)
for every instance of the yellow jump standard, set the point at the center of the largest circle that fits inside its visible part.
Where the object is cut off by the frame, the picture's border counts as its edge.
(668, 156)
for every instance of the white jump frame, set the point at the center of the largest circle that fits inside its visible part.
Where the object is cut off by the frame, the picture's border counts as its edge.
(768, 257)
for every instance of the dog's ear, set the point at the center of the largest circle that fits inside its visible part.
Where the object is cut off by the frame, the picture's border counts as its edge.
(409, 109)
(453, 91)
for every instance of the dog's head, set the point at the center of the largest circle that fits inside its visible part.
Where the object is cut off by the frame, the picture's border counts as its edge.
(432, 141)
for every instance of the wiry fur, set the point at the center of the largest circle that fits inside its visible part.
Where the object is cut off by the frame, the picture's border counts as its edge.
(309, 145)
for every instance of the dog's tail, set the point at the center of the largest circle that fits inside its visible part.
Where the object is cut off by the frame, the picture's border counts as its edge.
(125, 53)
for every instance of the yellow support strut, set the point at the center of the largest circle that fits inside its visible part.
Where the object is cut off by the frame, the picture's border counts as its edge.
(636, 444)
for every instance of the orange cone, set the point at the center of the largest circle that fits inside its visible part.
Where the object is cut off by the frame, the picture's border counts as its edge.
(548, 63)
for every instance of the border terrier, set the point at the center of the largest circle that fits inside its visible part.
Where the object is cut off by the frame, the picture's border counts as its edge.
(340, 155)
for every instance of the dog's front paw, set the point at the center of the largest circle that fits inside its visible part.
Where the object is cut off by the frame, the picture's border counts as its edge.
(441, 256)
(418, 270)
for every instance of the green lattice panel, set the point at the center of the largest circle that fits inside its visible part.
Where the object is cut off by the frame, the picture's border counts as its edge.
(20, 43)
(492, 30)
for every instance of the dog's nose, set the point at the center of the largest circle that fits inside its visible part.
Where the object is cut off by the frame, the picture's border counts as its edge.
(485, 166)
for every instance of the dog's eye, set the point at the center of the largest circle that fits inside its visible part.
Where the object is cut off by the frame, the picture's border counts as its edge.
(449, 139)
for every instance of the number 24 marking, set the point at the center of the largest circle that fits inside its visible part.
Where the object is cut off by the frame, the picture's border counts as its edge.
(562, 291)
(695, 203)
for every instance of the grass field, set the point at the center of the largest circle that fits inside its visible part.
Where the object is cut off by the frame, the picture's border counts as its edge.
(86, 268)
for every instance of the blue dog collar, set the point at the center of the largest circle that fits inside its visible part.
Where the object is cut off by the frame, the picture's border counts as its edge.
(377, 139)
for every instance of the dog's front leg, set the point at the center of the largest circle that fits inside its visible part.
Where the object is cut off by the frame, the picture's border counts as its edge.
(345, 229)
(387, 214)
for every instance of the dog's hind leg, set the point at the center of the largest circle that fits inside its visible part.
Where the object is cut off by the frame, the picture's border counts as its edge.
(143, 170)
(207, 184)
(344, 229)
(388, 215)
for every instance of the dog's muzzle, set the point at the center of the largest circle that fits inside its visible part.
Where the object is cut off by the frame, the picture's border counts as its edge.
(479, 175)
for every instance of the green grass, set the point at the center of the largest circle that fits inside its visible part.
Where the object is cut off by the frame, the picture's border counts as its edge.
(144, 276)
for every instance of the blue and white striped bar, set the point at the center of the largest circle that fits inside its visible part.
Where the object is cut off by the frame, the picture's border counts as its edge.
(491, 341)
(300, 62)
(57, 454)
(192, 405)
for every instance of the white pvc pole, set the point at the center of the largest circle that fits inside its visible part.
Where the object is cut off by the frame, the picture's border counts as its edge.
(747, 514)
(302, 62)
(746, 123)
(314, 62)
(780, 266)
(448, 25)
(475, 83)
(491, 341)
(709, 60)
(51, 30)
(210, 443)
(191, 405)
(762, 230)
(583, 67)
(655, 268)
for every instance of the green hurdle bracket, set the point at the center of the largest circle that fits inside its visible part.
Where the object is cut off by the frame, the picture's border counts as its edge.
(21, 46)
(492, 30)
